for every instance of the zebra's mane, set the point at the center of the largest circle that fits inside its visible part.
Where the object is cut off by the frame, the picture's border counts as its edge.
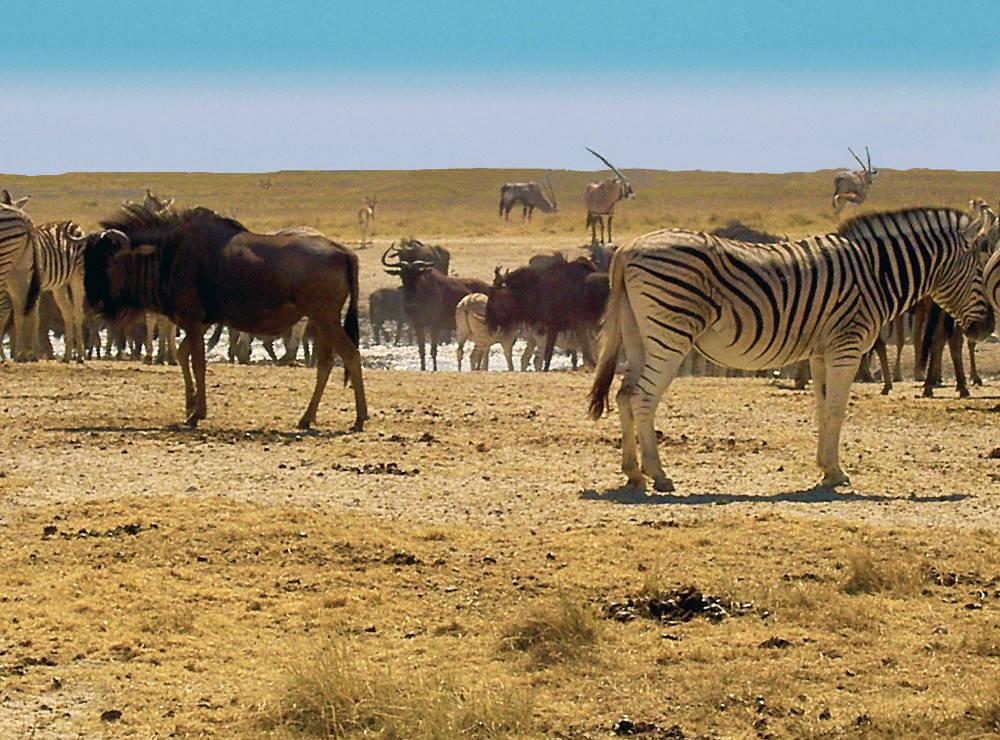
(873, 220)
(135, 217)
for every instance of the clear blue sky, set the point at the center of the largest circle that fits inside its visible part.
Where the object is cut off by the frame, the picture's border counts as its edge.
(764, 86)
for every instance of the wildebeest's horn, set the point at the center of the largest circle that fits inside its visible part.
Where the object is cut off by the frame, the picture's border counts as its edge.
(392, 248)
(118, 237)
(610, 166)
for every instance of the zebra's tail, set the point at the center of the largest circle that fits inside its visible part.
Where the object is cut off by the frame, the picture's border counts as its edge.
(34, 288)
(611, 339)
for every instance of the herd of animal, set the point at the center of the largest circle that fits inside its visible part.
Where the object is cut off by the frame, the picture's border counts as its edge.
(740, 302)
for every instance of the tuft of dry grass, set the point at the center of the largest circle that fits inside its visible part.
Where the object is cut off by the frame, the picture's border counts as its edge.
(337, 693)
(553, 631)
(898, 576)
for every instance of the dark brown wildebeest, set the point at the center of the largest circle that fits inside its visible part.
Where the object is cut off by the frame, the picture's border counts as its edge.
(429, 299)
(386, 304)
(410, 250)
(562, 296)
(199, 268)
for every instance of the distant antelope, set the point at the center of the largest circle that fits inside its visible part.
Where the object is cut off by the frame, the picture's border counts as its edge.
(852, 187)
(366, 219)
(601, 198)
(530, 195)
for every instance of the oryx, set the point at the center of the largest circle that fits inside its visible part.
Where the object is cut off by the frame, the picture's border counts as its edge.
(601, 198)
(852, 187)
(530, 195)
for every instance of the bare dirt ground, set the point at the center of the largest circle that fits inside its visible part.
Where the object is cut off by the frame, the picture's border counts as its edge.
(509, 457)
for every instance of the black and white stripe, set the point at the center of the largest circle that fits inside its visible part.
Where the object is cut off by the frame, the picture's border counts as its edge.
(15, 236)
(756, 306)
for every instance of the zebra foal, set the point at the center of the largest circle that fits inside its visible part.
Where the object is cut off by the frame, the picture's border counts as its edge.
(755, 306)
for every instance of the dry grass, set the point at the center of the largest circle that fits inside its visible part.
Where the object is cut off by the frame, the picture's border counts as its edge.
(333, 625)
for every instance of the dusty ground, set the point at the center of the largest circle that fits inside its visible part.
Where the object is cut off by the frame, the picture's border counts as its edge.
(507, 457)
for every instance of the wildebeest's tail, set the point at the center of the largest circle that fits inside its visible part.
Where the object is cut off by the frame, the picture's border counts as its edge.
(934, 315)
(351, 320)
(611, 338)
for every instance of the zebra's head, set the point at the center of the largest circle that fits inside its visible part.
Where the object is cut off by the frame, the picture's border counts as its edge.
(963, 292)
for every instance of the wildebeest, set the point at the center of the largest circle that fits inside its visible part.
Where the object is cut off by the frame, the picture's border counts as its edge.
(470, 323)
(199, 268)
(601, 198)
(386, 304)
(412, 250)
(852, 187)
(429, 299)
(562, 296)
(530, 195)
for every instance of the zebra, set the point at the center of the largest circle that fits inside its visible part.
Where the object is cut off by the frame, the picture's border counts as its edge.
(757, 306)
(53, 263)
(15, 237)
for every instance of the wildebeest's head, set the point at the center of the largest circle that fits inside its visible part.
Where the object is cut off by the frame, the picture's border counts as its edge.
(503, 308)
(108, 263)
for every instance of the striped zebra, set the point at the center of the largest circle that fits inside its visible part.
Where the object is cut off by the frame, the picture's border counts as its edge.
(54, 263)
(15, 236)
(757, 306)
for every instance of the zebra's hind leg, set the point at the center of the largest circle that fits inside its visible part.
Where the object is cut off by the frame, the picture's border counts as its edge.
(650, 386)
(832, 386)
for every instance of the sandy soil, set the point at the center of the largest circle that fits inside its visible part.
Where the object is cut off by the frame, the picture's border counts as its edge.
(500, 449)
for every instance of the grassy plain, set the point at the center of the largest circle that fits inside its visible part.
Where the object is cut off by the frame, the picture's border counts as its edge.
(465, 566)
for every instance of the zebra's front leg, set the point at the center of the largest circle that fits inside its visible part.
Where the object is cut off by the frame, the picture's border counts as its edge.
(832, 386)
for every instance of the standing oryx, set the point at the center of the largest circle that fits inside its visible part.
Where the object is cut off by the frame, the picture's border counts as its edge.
(601, 198)
(852, 187)
(366, 219)
(758, 306)
(530, 195)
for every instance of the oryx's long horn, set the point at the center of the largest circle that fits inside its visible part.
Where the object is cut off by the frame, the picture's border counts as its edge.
(610, 166)
(858, 158)
(547, 183)
(869, 159)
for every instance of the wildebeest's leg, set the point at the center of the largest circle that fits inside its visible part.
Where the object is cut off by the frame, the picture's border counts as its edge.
(434, 348)
(883, 361)
(610, 240)
(973, 373)
(327, 340)
(419, 331)
(550, 345)
(955, 347)
(191, 353)
(184, 358)
(919, 326)
(832, 386)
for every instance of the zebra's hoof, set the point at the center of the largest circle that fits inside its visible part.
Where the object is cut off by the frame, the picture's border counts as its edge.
(664, 485)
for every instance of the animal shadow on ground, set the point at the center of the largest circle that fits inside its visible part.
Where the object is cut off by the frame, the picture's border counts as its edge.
(631, 496)
(172, 430)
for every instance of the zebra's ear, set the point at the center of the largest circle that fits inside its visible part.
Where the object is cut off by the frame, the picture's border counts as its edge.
(19, 203)
(974, 228)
